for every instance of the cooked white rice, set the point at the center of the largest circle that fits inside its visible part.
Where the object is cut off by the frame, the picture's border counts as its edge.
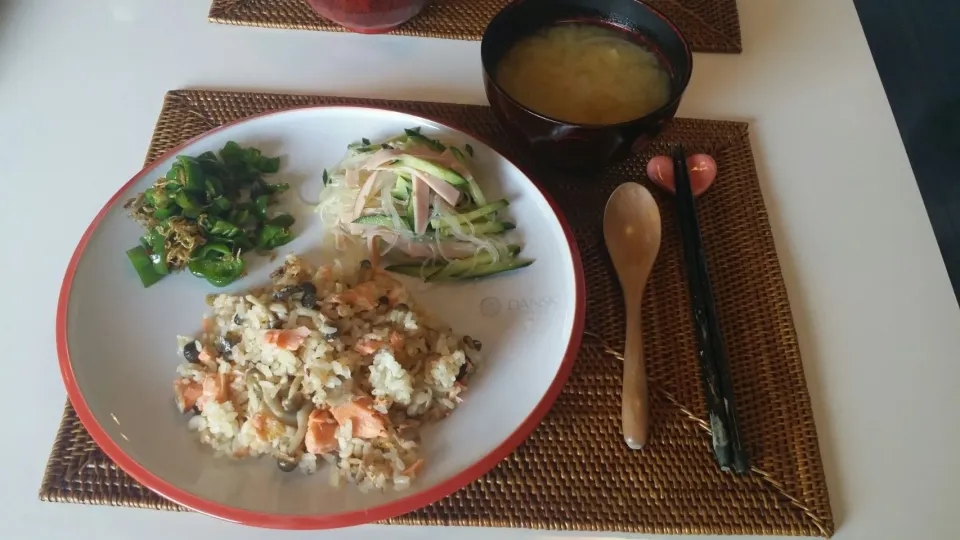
(278, 375)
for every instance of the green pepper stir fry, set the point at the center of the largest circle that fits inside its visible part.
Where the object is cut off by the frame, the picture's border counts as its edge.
(205, 212)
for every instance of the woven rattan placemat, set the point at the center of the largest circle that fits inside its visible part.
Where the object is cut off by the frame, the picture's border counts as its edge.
(575, 472)
(709, 25)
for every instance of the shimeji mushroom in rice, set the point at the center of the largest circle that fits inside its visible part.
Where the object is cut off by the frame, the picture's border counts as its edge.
(325, 366)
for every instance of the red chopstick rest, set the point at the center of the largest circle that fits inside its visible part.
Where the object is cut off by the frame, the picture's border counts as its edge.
(702, 167)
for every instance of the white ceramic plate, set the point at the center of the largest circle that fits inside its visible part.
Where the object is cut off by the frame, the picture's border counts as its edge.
(117, 341)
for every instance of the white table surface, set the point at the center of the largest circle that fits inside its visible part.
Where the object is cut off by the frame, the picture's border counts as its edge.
(81, 84)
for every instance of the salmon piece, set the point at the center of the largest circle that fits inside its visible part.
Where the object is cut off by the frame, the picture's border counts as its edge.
(208, 355)
(187, 392)
(267, 427)
(207, 325)
(259, 422)
(367, 423)
(215, 388)
(412, 470)
(396, 341)
(385, 279)
(368, 346)
(321, 432)
(290, 340)
(364, 296)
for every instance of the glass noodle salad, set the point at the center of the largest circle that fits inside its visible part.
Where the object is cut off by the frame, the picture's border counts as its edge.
(415, 198)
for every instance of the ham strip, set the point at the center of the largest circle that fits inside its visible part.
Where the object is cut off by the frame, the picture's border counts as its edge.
(421, 200)
(451, 162)
(379, 158)
(352, 177)
(374, 250)
(447, 192)
(365, 191)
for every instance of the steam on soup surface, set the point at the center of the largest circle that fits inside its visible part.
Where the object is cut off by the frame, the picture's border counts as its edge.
(584, 74)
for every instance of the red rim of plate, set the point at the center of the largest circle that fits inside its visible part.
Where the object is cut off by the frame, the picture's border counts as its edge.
(358, 517)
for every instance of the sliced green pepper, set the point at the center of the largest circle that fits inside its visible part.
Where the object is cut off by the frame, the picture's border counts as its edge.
(219, 272)
(161, 214)
(212, 250)
(171, 188)
(193, 177)
(163, 198)
(221, 205)
(188, 203)
(273, 189)
(231, 153)
(242, 242)
(269, 165)
(207, 190)
(273, 236)
(158, 252)
(240, 215)
(260, 206)
(149, 198)
(281, 220)
(174, 172)
(224, 228)
(140, 260)
(214, 187)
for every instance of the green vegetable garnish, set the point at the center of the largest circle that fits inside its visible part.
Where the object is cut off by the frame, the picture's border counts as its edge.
(219, 272)
(158, 252)
(260, 206)
(193, 177)
(414, 134)
(273, 236)
(224, 228)
(281, 220)
(141, 263)
(206, 211)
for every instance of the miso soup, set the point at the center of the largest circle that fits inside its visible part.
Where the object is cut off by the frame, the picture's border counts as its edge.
(584, 74)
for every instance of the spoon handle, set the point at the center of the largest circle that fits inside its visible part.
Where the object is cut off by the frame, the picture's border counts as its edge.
(635, 400)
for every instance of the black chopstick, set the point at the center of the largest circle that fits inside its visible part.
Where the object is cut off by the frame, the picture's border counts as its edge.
(715, 369)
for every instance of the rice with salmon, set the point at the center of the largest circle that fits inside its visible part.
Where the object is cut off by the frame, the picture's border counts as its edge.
(327, 363)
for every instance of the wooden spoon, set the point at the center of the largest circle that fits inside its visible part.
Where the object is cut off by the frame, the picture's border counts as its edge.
(631, 229)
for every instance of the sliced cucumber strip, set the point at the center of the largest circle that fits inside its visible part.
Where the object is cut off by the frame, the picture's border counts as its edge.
(448, 175)
(489, 227)
(414, 134)
(459, 266)
(401, 190)
(423, 271)
(383, 220)
(474, 215)
(473, 188)
(495, 268)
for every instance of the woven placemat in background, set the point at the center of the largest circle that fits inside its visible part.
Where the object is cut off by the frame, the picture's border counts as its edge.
(709, 25)
(574, 472)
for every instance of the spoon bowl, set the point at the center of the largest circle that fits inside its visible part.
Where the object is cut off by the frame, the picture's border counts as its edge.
(632, 232)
